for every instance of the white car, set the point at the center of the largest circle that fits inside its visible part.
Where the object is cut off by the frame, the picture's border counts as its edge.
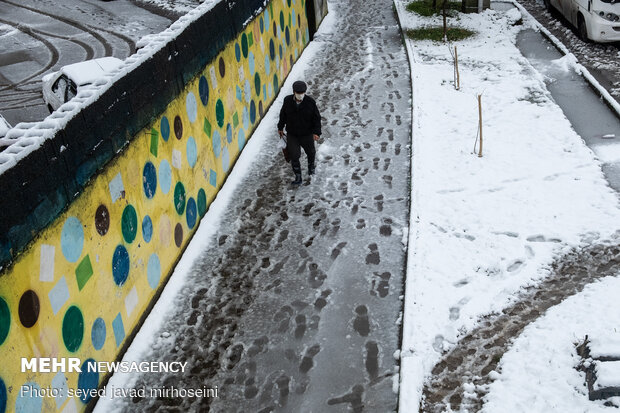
(597, 20)
(60, 87)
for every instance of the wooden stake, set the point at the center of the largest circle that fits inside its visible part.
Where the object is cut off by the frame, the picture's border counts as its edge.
(456, 64)
(480, 123)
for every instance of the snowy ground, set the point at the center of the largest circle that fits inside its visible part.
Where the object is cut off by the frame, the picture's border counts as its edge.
(482, 229)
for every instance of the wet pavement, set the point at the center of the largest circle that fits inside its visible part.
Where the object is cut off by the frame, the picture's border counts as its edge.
(296, 308)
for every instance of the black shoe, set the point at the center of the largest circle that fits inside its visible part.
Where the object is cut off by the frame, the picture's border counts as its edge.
(297, 180)
(311, 170)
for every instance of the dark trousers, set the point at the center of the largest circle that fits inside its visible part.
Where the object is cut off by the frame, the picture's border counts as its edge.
(294, 145)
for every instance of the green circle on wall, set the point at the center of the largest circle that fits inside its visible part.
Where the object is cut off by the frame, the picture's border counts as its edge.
(202, 202)
(244, 45)
(179, 198)
(282, 20)
(5, 320)
(288, 2)
(73, 328)
(129, 224)
(257, 84)
(219, 113)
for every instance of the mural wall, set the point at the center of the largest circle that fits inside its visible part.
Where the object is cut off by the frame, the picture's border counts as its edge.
(85, 282)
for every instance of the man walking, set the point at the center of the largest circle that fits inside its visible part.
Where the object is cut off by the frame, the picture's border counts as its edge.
(302, 119)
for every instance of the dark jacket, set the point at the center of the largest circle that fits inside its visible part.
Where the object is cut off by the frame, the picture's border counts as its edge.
(300, 120)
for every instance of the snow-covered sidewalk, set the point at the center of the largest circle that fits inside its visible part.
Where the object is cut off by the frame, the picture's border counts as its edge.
(484, 228)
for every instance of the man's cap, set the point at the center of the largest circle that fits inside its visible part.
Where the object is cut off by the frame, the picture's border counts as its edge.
(299, 86)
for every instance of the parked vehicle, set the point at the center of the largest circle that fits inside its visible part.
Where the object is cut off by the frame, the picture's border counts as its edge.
(61, 86)
(596, 20)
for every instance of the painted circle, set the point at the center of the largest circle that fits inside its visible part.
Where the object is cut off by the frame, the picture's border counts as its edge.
(247, 91)
(280, 51)
(97, 333)
(153, 271)
(237, 52)
(229, 133)
(73, 329)
(179, 198)
(244, 45)
(219, 113)
(245, 118)
(272, 50)
(31, 401)
(72, 239)
(266, 17)
(178, 127)
(293, 19)
(262, 25)
(29, 308)
(288, 2)
(222, 67)
(178, 235)
(164, 127)
(287, 36)
(261, 111)
(257, 84)
(241, 139)
(225, 159)
(3, 396)
(102, 220)
(129, 224)
(202, 204)
(88, 380)
(147, 229)
(190, 213)
(203, 90)
(165, 176)
(192, 151)
(297, 35)
(191, 107)
(149, 179)
(252, 112)
(267, 65)
(5, 320)
(276, 84)
(251, 63)
(217, 144)
(275, 29)
(120, 265)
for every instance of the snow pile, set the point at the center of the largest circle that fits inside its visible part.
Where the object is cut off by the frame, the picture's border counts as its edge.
(482, 228)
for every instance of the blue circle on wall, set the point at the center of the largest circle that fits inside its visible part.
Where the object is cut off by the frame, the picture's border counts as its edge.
(164, 128)
(190, 213)
(266, 17)
(97, 333)
(293, 18)
(241, 139)
(247, 91)
(280, 51)
(237, 52)
(272, 50)
(261, 23)
(88, 380)
(147, 229)
(252, 111)
(267, 65)
(149, 179)
(287, 35)
(2, 396)
(191, 107)
(245, 118)
(120, 265)
(192, 151)
(225, 159)
(251, 63)
(217, 144)
(165, 176)
(153, 271)
(72, 239)
(229, 133)
(203, 90)
(31, 401)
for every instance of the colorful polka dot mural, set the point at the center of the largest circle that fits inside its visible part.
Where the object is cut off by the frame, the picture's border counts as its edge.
(94, 272)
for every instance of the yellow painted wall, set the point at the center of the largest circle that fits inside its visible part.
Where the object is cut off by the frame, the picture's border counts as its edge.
(87, 280)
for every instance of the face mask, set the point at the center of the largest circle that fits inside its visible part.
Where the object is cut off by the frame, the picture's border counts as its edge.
(299, 96)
